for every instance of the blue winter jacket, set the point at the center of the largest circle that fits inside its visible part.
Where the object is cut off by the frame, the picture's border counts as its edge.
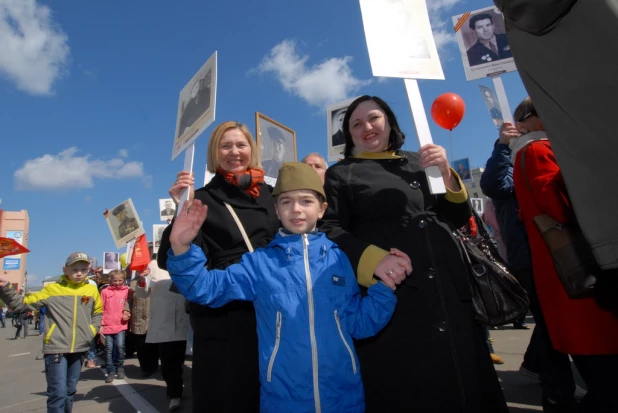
(308, 309)
(497, 183)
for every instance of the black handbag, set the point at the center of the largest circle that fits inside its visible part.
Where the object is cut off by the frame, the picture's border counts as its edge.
(497, 296)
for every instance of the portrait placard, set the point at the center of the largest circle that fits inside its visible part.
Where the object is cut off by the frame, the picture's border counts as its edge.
(399, 39)
(157, 233)
(123, 223)
(335, 141)
(478, 204)
(276, 144)
(111, 261)
(196, 106)
(484, 47)
(462, 167)
(167, 209)
(493, 105)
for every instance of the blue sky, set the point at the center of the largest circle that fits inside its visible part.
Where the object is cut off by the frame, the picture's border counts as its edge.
(89, 94)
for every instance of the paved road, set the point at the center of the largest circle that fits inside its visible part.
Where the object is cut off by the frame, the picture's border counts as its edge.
(22, 380)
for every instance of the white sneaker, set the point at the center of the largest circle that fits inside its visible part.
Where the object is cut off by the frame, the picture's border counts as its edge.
(174, 404)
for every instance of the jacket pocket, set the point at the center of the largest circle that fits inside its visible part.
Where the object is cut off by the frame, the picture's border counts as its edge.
(49, 333)
(276, 349)
(345, 343)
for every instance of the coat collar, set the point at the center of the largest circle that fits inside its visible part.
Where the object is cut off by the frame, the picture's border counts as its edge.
(293, 243)
(224, 191)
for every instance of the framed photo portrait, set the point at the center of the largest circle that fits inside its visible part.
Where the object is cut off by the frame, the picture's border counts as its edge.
(462, 167)
(493, 106)
(157, 233)
(484, 47)
(335, 141)
(276, 143)
(167, 209)
(196, 106)
(478, 204)
(124, 224)
(111, 261)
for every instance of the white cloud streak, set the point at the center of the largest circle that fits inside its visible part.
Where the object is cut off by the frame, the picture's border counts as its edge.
(67, 171)
(441, 23)
(34, 51)
(319, 85)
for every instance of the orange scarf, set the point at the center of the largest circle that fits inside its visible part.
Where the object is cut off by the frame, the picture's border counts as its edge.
(247, 181)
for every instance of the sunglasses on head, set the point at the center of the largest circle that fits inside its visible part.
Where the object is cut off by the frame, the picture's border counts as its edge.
(527, 115)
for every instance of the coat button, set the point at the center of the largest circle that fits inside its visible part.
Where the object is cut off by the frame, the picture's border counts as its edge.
(415, 185)
(431, 273)
(422, 224)
(442, 326)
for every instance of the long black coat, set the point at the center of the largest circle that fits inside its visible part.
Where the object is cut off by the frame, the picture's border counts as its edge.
(432, 355)
(225, 352)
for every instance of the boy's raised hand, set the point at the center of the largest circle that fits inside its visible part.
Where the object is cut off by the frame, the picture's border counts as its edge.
(3, 282)
(187, 225)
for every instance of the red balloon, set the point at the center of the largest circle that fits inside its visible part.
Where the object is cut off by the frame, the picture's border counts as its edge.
(448, 110)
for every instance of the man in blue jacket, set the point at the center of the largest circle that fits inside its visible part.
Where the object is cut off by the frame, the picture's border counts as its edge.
(307, 300)
(554, 368)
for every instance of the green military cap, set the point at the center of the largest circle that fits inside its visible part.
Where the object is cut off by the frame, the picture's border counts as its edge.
(297, 175)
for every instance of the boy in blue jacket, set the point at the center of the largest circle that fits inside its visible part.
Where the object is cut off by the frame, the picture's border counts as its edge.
(307, 301)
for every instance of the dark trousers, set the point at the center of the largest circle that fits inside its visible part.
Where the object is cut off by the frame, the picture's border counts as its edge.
(22, 326)
(554, 367)
(62, 373)
(147, 354)
(172, 355)
(225, 375)
(599, 373)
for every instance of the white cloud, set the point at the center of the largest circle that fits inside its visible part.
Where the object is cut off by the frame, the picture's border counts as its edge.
(441, 23)
(66, 170)
(319, 85)
(123, 153)
(34, 51)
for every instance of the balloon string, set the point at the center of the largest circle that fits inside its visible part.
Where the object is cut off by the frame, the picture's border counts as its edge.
(450, 136)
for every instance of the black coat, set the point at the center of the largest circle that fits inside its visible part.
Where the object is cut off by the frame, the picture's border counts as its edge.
(225, 352)
(432, 355)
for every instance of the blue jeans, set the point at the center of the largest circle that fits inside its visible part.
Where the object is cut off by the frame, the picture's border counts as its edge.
(114, 341)
(3, 319)
(41, 323)
(62, 373)
(93, 347)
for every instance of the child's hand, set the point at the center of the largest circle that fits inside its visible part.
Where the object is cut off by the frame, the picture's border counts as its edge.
(3, 282)
(187, 225)
(126, 316)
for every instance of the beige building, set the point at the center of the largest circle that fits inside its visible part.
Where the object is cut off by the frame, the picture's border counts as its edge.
(15, 225)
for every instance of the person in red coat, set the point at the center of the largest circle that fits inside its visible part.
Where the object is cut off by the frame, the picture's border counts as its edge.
(576, 327)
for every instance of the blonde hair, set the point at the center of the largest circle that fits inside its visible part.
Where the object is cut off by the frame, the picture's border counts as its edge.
(212, 155)
(122, 273)
(525, 108)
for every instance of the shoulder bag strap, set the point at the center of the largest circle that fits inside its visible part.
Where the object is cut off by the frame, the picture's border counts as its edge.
(240, 226)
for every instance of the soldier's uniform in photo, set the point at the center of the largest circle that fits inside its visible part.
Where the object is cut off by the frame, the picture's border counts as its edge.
(479, 53)
(128, 225)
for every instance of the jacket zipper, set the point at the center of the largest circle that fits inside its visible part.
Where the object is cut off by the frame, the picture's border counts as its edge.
(74, 323)
(314, 347)
(345, 343)
(462, 393)
(277, 339)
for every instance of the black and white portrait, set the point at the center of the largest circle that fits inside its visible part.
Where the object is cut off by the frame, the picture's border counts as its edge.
(478, 205)
(111, 261)
(157, 234)
(277, 145)
(493, 106)
(196, 106)
(167, 209)
(124, 223)
(334, 129)
(485, 49)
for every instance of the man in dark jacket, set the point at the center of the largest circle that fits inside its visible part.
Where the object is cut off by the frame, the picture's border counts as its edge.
(581, 133)
(554, 369)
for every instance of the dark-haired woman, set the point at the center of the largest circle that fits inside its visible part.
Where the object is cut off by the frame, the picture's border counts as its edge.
(432, 356)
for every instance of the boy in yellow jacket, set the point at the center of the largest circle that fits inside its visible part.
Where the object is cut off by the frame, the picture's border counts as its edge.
(72, 320)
